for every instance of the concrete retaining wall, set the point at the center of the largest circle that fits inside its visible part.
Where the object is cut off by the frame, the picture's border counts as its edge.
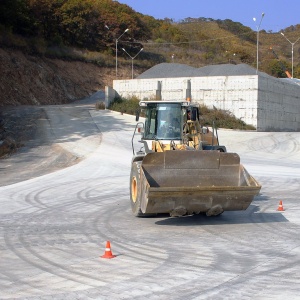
(110, 95)
(278, 105)
(265, 102)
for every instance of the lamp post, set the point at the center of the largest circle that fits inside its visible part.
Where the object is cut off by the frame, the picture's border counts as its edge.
(257, 39)
(132, 58)
(292, 51)
(117, 39)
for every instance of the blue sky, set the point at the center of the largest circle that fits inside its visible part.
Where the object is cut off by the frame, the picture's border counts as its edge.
(278, 14)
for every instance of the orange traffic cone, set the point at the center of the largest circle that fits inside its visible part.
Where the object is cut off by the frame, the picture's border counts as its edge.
(108, 253)
(280, 207)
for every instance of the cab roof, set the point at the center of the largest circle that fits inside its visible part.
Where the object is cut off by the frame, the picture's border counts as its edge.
(145, 103)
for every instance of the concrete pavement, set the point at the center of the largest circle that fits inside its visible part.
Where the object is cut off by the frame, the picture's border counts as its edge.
(53, 228)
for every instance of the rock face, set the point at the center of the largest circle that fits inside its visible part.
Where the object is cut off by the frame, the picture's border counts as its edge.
(31, 80)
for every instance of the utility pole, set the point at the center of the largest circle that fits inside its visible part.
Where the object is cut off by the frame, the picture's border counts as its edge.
(117, 39)
(257, 39)
(132, 58)
(292, 51)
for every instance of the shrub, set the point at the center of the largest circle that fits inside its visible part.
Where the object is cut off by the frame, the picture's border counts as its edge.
(100, 105)
(37, 46)
(129, 106)
(222, 119)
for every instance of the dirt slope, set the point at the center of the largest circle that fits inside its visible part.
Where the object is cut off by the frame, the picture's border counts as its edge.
(30, 80)
(46, 139)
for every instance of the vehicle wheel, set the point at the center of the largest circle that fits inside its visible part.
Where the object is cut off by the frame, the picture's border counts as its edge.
(135, 189)
(215, 211)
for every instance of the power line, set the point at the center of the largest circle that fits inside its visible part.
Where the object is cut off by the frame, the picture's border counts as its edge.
(188, 42)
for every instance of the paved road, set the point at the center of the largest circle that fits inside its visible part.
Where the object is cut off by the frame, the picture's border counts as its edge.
(54, 228)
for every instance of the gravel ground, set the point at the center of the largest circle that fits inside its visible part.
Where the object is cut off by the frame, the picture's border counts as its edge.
(166, 70)
(54, 228)
(35, 154)
(47, 138)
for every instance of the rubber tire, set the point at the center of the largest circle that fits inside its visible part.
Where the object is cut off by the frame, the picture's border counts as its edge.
(135, 189)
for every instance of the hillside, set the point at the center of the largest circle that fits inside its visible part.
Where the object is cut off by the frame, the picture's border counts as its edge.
(34, 80)
(58, 51)
(61, 50)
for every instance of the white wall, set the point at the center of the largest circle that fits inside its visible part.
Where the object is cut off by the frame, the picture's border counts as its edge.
(237, 94)
(265, 102)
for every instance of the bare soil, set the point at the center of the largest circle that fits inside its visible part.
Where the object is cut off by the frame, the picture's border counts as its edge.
(31, 80)
(31, 153)
(27, 84)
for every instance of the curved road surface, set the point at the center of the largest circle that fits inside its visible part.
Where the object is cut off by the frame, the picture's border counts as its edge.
(54, 227)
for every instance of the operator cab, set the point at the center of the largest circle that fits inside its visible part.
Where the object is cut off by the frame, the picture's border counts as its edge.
(163, 121)
(166, 120)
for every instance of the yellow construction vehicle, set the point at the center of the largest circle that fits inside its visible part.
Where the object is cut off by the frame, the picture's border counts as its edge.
(181, 169)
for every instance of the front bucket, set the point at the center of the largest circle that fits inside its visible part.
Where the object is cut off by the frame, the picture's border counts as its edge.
(190, 182)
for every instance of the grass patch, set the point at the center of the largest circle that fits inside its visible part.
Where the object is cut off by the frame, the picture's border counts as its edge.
(54, 48)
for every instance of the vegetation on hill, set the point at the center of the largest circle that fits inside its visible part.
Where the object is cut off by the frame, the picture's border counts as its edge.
(87, 30)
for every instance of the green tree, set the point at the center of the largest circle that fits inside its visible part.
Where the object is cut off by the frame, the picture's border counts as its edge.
(47, 17)
(244, 32)
(79, 24)
(277, 69)
(16, 16)
(297, 72)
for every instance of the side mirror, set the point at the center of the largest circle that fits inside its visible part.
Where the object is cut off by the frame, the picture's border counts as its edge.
(204, 130)
(137, 115)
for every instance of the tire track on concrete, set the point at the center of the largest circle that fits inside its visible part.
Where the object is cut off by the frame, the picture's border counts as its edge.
(33, 198)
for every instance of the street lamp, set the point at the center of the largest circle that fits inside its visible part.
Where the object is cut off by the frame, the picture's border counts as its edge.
(257, 27)
(117, 39)
(292, 51)
(132, 58)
